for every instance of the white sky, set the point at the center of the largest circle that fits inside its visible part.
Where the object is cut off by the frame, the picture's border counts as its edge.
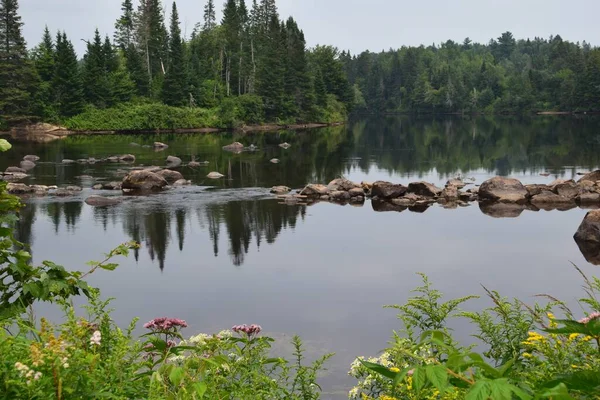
(356, 25)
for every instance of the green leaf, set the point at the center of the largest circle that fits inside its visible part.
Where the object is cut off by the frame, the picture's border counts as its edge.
(569, 327)
(559, 392)
(200, 389)
(176, 376)
(506, 367)
(399, 378)
(4, 145)
(438, 376)
(419, 378)
(380, 369)
(109, 267)
(479, 391)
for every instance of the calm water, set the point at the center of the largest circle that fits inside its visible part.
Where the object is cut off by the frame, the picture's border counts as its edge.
(225, 252)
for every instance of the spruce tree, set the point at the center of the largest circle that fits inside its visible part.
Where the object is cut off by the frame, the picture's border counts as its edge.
(124, 28)
(95, 77)
(122, 88)
(270, 75)
(137, 70)
(67, 87)
(152, 37)
(232, 27)
(174, 87)
(210, 16)
(17, 75)
(43, 58)
(111, 61)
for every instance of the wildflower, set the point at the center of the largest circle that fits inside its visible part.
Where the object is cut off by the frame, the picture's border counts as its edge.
(394, 369)
(96, 338)
(384, 397)
(550, 316)
(200, 339)
(353, 393)
(21, 367)
(66, 365)
(165, 324)
(533, 338)
(37, 376)
(411, 372)
(527, 355)
(591, 317)
(249, 330)
(573, 336)
(226, 334)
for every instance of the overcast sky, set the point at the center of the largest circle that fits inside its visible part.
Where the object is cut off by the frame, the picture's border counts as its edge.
(356, 25)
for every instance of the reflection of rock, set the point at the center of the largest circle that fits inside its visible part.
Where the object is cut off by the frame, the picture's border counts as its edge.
(384, 206)
(505, 190)
(589, 250)
(387, 190)
(424, 189)
(144, 181)
(589, 230)
(101, 201)
(502, 210)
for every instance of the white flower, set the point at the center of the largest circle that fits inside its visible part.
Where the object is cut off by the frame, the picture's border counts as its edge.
(66, 365)
(96, 338)
(37, 376)
(200, 339)
(353, 393)
(226, 334)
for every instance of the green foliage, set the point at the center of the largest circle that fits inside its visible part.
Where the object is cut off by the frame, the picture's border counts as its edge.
(67, 89)
(4, 145)
(174, 91)
(235, 111)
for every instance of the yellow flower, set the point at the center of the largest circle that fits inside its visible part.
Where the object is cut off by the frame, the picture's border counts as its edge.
(527, 355)
(587, 338)
(394, 369)
(574, 366)
(573, 336)
(384, 397)
(551, 316)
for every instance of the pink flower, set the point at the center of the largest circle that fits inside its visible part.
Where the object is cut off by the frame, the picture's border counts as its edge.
(249, 330)
(165, 324)
(591, 317)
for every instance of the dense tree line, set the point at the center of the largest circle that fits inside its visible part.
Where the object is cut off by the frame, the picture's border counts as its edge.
(252, 66)
(506, 75)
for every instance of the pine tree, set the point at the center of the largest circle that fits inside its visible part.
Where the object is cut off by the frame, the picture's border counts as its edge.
(270, 76)
(67, 87)
(210, 16)
(43, 58)
(124, 28)
(122, 88)
(174, 87)
(17, 75)
(95, 77)
(137, 70)
(297, 77)
(111, 60)
(152, 37)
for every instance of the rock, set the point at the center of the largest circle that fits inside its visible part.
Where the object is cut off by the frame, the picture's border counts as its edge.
(589, 198)
(324, 198)
(159, 145)
(169, 176)
(19, 188)
(280, 190)
(144, 181)
(85, 177)
(590, 251)
(285, 145)
(387, 190)
(274, 161)
(314, 190)
(406, 201)
(63, 192)
(458, 183)
(14, 176)
(129, 158)
(424, 189)
(27, 165)
(133, 144)
(152, 169)
(182, 182)
(468, 197)
(235, 147)
(341, 184)
(31, 158)
(589, 230)
(339, 195)
(173, 162)
(450, 193)
(82, 161)
(536, 189)
(113, 159)
(591, 176)
(473, 190)
(92, 160)
(567, 189)
(68, 161)
(587, 186)
(214, 175)
(15, 170)
(367, 186)
(356, 192)
(195, 164)
(97, 187)
(73, 188)
(547, 197)
(504, 190)
(101, 201)
(40, 190)
(558, 182)
(112, 185)
(502, 210)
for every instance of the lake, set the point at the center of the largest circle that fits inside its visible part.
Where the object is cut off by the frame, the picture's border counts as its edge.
(226, 252)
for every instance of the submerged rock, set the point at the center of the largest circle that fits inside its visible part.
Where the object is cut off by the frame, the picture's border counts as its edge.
(101, 201)
(388, 190)
(280, 190)
(144, 181)
(215, 175)
(169, 176)
(504, 190)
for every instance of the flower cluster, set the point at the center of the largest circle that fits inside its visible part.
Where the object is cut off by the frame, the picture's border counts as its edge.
(589, 318)
(28, 373)
(165, 324)
(249, 330)
(96, 338)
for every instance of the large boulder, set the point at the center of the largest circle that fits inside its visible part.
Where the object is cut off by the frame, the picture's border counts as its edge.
(169, 176)
(424, 189)
(173, 162)
(313, 190)
(387, 190)
(591, 176)
(143, 181)
(589, 230)
(504, 190)
(101, 201)
(280, 190)
(568, 189)
(341, 184)
(27, 165)
(19, 188)
(235, 147)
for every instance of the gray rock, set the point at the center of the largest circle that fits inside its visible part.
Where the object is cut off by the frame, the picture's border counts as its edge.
(129, 158)
(169, 176)
(182, 182)
(68, 161)
(450, 193)
(285, 145)
(143, 181)
(589, 230)
(356, 192)
(74, 188)
(27, 165)
(388, 190)
(15, 170)
(504, 190)
(40, 190)
(97, 187)
(31, 158)
(424, 189)
(19, 188)
(173, 162)
(113, 159)
(92, 160)
(280, 190)
(82, 161)
(215, 175)
(235, 147)
(274, 161)
(14, 176)
(101, 201)
(159, 145)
